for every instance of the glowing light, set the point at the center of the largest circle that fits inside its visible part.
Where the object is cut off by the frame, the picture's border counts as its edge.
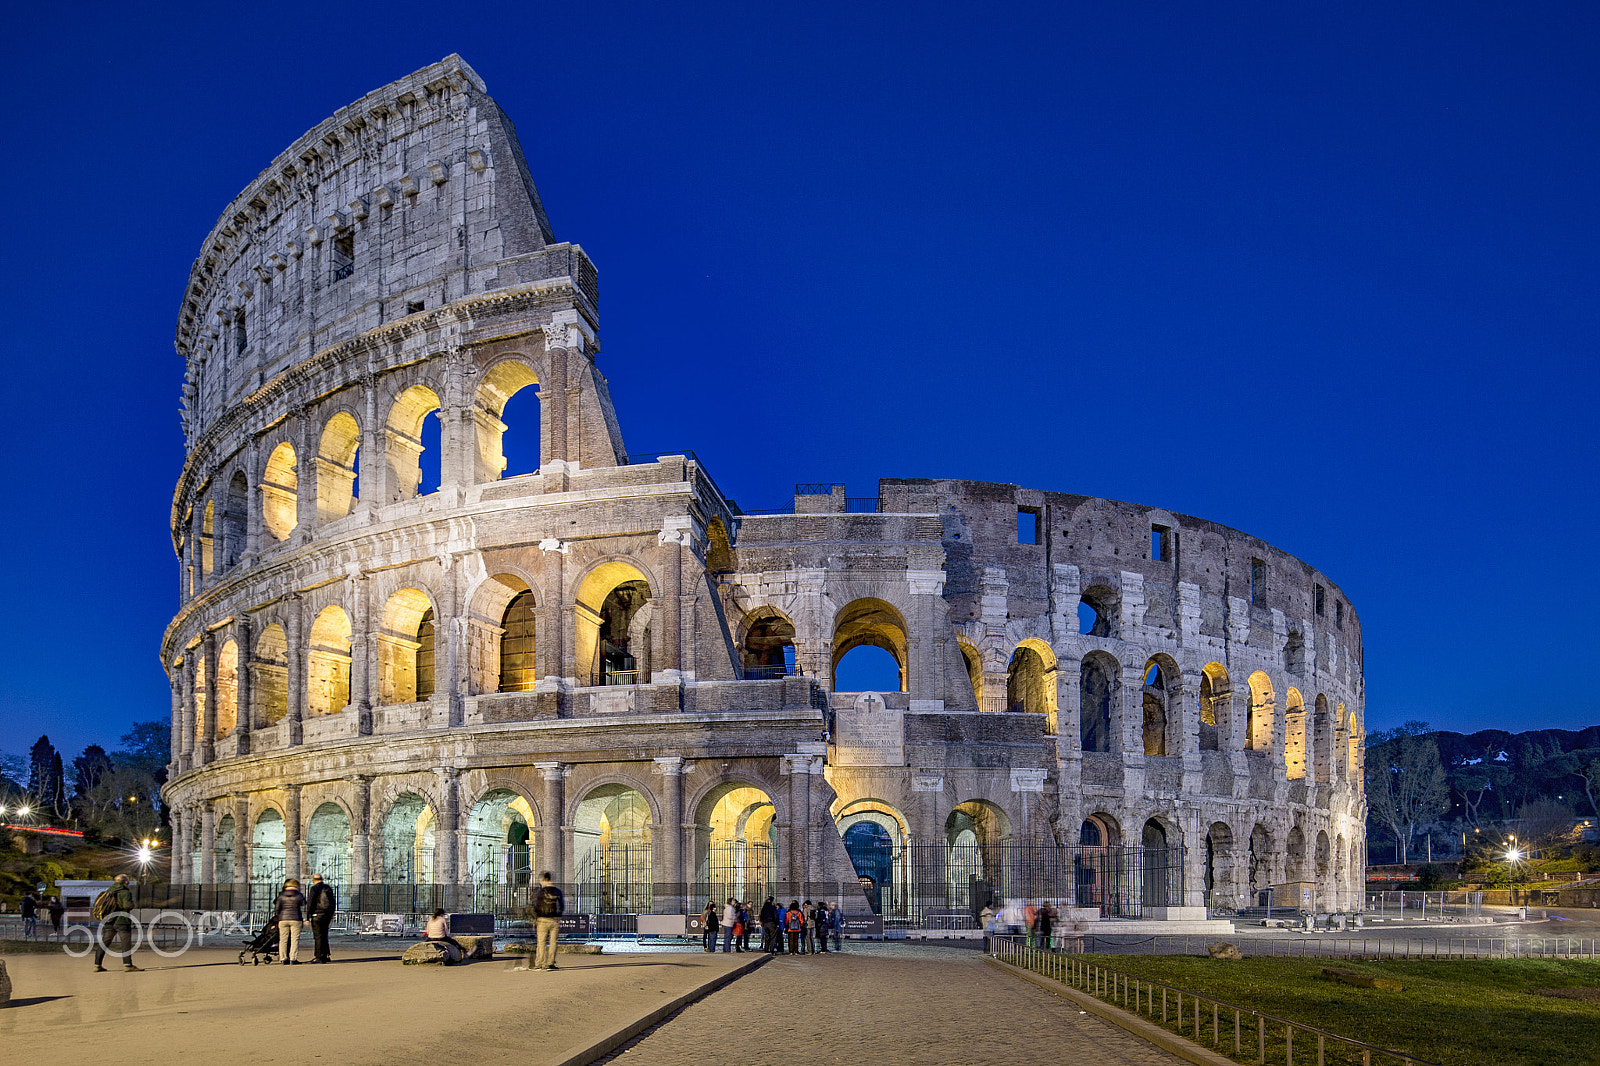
(1513, 855)
(145, 856)
(24, 811)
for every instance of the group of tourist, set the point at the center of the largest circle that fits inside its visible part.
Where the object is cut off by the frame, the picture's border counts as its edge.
(293, 909)
(1037, 920)
(30, 914)
(806, 925)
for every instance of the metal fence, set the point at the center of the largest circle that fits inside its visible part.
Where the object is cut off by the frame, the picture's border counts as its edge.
(1248, 1035)
(1341, 947)
(1426, 904)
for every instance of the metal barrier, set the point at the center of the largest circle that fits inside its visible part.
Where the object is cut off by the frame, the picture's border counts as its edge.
(1457, 947)
(1423, 904)
(1119, 988)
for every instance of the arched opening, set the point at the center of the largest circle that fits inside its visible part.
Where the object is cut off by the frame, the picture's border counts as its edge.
(1294, 654)
(328, 845)
(280, 493)
(267, 848)
(1095, 692)
(234, 519)
(1097, 874)
(501, 649)
(227, 715)
(518, 652)
(406, 648)
(1097, 611)
(328, 663)
(871, 851)
(1260, 724)
(1296, 856)
(408, 841)
(869, 623)
(719, 552)
(1324, 869)
(612, 852)
(338, 453)
(500, 840)
(404, 447)
(1161, 703)
(222, 851)
(1340, 892)
(1261, 864)
(208, 521)
(1162, 881)
(202, 707)
(733, 844)
(503, 400)
(269, 688)
(875, 837)
(1322, 754)
(614, 625)
(1294, 735)
(976, 873)
(1031, 682)
(1221, 876)
(1352, 766)
(1216, 695)
(769, 647)
(974, 664)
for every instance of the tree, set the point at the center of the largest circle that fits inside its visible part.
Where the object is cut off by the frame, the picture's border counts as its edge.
(13, 772)
(87, 769)
(121, 803)
(147, 746)
(1543, 824)
(1589, 774)
(1406, 784)
(1476, 777)
(46, 779)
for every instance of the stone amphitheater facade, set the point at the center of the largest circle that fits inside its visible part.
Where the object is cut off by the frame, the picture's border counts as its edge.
(605, 651)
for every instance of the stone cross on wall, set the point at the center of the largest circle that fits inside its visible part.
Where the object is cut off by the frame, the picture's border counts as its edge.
(870, 701)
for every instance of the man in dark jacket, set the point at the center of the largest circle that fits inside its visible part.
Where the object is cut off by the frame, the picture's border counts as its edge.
(548, 907)
(771, 939)
(30, 916)
(289, 912)
(322, 903)
(117, 923)
(819, 927)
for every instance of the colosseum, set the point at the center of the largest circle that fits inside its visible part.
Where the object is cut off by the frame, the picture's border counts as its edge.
(426, 675)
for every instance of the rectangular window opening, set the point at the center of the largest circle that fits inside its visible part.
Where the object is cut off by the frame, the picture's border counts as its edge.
(1338, 614)
(1258, 582)
(1027, 525)
(1160, 544)
(241, 339)
(343, 256)
(1319, 596)
(413, 306)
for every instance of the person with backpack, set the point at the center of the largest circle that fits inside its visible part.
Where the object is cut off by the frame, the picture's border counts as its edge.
(289, 911)
(548, 907)
(113, 909)
(742, 943)
(819, 927)
(322, 903)
(794, 924)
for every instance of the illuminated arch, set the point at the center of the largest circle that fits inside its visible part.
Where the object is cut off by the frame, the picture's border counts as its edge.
(1031, 681)
(403, 448)
(280, 493)
(1294, 735)
(1260, 723)
(1216, 707)
(498, 384)
(870, 623)
(227, 716)
(406, 648)
(613, 619)
(269, 684)
(328, 663)
(337, 453)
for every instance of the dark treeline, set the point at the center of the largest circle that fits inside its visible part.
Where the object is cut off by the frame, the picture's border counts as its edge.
(113, 793)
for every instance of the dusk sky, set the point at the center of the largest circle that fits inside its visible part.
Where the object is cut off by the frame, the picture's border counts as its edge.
(1327, 273)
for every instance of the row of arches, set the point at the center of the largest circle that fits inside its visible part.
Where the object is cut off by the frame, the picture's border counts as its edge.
(324, 485)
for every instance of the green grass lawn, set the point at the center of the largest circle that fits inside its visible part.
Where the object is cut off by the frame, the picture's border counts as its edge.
(1455, 1012)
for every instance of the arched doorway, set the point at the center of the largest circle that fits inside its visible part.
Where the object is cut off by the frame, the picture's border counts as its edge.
(976, 872)
(1162, 868)
(500, 840)
(1099, 879)
(733, 844)
(222, 852)
(328, 845)
(408, 841)
(1221, 867)
(612, 852)
(876, 837)
(871, 852)
(266, 848)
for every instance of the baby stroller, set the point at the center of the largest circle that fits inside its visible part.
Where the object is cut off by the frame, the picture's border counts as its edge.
(263, 947)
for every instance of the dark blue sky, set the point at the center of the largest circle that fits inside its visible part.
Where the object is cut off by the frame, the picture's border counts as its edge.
(1327, 273)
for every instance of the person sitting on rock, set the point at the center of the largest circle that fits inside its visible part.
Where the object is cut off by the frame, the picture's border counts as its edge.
(438, 932)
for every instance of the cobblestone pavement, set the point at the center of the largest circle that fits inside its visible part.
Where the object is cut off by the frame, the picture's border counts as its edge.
(946, 1008)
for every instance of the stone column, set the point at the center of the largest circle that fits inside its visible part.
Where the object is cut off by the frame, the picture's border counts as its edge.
(671, 663)
(305, 478)
(667, 836)
(292, 845)
(553, 413)
(186, 752)
(363, 651)
(360, 830)
(208, 844)
(928, 785)
(449, 633)
(446, 845)
(798, 768)
(374, 456)
(183, 840)
(297, 681)
(208, 732)
(175, 680)
(242, 834)
(552, 804)
(175, 852)
(245, 680)
(457, 461)
(253, 521)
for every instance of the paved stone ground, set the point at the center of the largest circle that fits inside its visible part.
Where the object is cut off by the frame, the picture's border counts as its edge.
(939, 1007)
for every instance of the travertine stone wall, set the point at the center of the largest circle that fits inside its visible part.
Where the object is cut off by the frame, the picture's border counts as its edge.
(604, 626)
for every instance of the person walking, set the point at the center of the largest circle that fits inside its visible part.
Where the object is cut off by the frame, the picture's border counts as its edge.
(30, 916)
(56, 909)
(708, 918)
(1044, 924)
(771, 939)
(793, 924)
(836, 924)
(819, 927)
(322, 903)
(548, 906)
(114, 909)
(730, 918)
(289, 911)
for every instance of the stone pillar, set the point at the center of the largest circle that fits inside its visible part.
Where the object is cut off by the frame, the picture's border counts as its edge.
(929, 787)
(374, 458)
(671, 662)
(798, 768)
(449, 631)
(292, 845)
(363, 651)
(553, 404)
(186, 669)
(175, 852)
(242, 834)
(361, 830)
(208, 844)
(550, 832)
(208, 732)
(446, 842)
(175, 680)
(667, 836)
(245, 679)
(253, 521)
(305, 478)
(297, 681)
(183, 840)
(457, 466)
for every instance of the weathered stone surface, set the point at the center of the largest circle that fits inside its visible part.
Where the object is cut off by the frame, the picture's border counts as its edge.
(367, 662)
(477, 947)
(5, 985)
(1224, 950)
(530, 948)
(430, 953)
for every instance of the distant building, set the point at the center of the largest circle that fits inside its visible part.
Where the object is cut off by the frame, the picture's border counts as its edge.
(602, 667)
